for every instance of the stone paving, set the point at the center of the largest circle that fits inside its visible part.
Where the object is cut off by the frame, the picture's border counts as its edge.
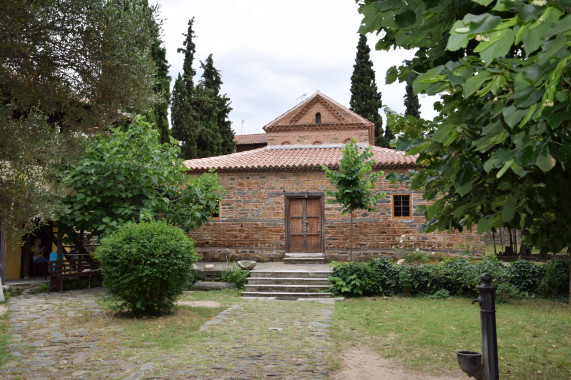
(277, 339)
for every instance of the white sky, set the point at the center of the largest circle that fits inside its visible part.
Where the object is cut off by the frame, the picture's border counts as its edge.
(270, 53)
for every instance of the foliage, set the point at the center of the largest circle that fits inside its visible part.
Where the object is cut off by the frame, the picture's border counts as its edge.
(365, 98)
(500, 151)
(67, 66)
(183, 116)
(236, 276)
(158, 114)
(146, 266)
(460, 277)
(555, 280)
(525, 276)
(129, 176)
(411, 102)
(385, 276)
(414, 256)
(352, 279)
(195, 276)
(200, 113)
(441, 294)
(354, 182)
(453, 277)
(43, 288)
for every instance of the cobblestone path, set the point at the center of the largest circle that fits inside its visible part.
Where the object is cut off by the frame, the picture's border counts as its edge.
(67, 336)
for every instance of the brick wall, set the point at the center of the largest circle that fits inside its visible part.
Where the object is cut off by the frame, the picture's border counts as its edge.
(311, 137)
(252, 221)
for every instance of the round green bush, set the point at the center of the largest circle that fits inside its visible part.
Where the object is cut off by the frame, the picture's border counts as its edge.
(555, 280)
(147, 266)
(525, 276)
(385, 277)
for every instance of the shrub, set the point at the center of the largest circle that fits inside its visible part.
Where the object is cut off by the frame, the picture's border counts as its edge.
(353, 279)
(385, 277)
(460, 277)
(147, 266)
(494, 268)
(525, 276)
(420, 279)
(415, 256)
(442, 294)
(236, 276)
(555, 280)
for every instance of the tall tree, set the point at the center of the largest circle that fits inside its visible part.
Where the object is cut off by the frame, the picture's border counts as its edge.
(365, 99)
(212, 83)
(354, 182)
(500, 152)
(67, 66)
(183, 114)
(159, 112)
(411, 101)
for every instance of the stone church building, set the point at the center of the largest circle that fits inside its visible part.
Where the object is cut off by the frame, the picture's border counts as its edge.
(275, 203)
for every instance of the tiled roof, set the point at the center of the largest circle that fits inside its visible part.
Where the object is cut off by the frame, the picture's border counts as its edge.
(256, 138)
(292, 157)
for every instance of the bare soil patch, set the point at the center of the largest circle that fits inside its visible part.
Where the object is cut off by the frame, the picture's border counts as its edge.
(364, 363)
(205, 303)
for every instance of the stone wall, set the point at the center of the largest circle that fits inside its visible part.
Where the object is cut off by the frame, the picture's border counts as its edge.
(252, 221)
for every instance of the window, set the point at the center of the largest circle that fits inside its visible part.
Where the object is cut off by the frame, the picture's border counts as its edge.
(216, 214)
(401, 206)
(318, 118)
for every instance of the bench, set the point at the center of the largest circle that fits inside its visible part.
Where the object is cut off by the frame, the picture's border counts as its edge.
(73, 267)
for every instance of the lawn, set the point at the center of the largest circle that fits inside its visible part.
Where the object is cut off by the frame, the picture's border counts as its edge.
(4, 340)
(423, 334)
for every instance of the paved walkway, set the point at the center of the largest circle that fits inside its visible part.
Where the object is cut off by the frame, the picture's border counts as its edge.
(56, 335)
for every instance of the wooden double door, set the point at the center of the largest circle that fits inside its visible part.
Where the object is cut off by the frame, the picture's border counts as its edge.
(304, 224)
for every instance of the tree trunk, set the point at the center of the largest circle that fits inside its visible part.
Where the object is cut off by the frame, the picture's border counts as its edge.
(3, 249)
(351, 236)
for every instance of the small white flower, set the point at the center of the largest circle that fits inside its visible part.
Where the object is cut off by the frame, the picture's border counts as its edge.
(480, 37)
(400, 262)
(539, 3)
(548, 103)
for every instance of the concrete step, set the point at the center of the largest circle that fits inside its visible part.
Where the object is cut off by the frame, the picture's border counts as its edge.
(288, 281)
(286, 294)
(291, 273)
(304, 260)
(285, 288)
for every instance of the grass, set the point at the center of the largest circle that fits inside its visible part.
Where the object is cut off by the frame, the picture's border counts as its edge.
(423, 334)
(4, 340)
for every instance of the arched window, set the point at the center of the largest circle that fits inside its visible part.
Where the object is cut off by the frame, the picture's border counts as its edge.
(286, 143)
(317, 143)
(318, 118)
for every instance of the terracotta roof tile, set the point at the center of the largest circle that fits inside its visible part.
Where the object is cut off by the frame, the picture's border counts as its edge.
(292, 157)
(256, 138)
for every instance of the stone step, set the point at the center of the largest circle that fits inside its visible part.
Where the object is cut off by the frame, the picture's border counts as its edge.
(304, 260)
(290, 273)
(285, 288)
(286, 294)
(305, 254)
(288, 281)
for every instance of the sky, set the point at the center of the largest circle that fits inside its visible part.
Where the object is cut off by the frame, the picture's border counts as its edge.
(272, 54)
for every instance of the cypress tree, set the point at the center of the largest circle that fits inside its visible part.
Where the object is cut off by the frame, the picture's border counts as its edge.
(212, 82)
(159, 112)
(411, 101)
(365, 99)
(183, 115)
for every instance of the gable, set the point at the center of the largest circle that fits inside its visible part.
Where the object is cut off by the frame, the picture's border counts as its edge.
(321, 119)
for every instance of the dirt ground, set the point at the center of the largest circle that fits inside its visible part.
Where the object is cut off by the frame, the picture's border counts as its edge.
(363, 363)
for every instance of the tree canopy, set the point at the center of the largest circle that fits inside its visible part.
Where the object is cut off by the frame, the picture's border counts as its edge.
(354, 182)
(499, 153)
(365, 97)
(129, 176)
(68, 68)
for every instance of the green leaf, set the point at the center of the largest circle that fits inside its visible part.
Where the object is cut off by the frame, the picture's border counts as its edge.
(483, 2)
(508, 210)
(512, 115)
(486, 223)
(544, 160)
(473, 84)
(499, 48)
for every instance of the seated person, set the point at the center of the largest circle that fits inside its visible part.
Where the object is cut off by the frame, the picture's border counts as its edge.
(38, 251)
